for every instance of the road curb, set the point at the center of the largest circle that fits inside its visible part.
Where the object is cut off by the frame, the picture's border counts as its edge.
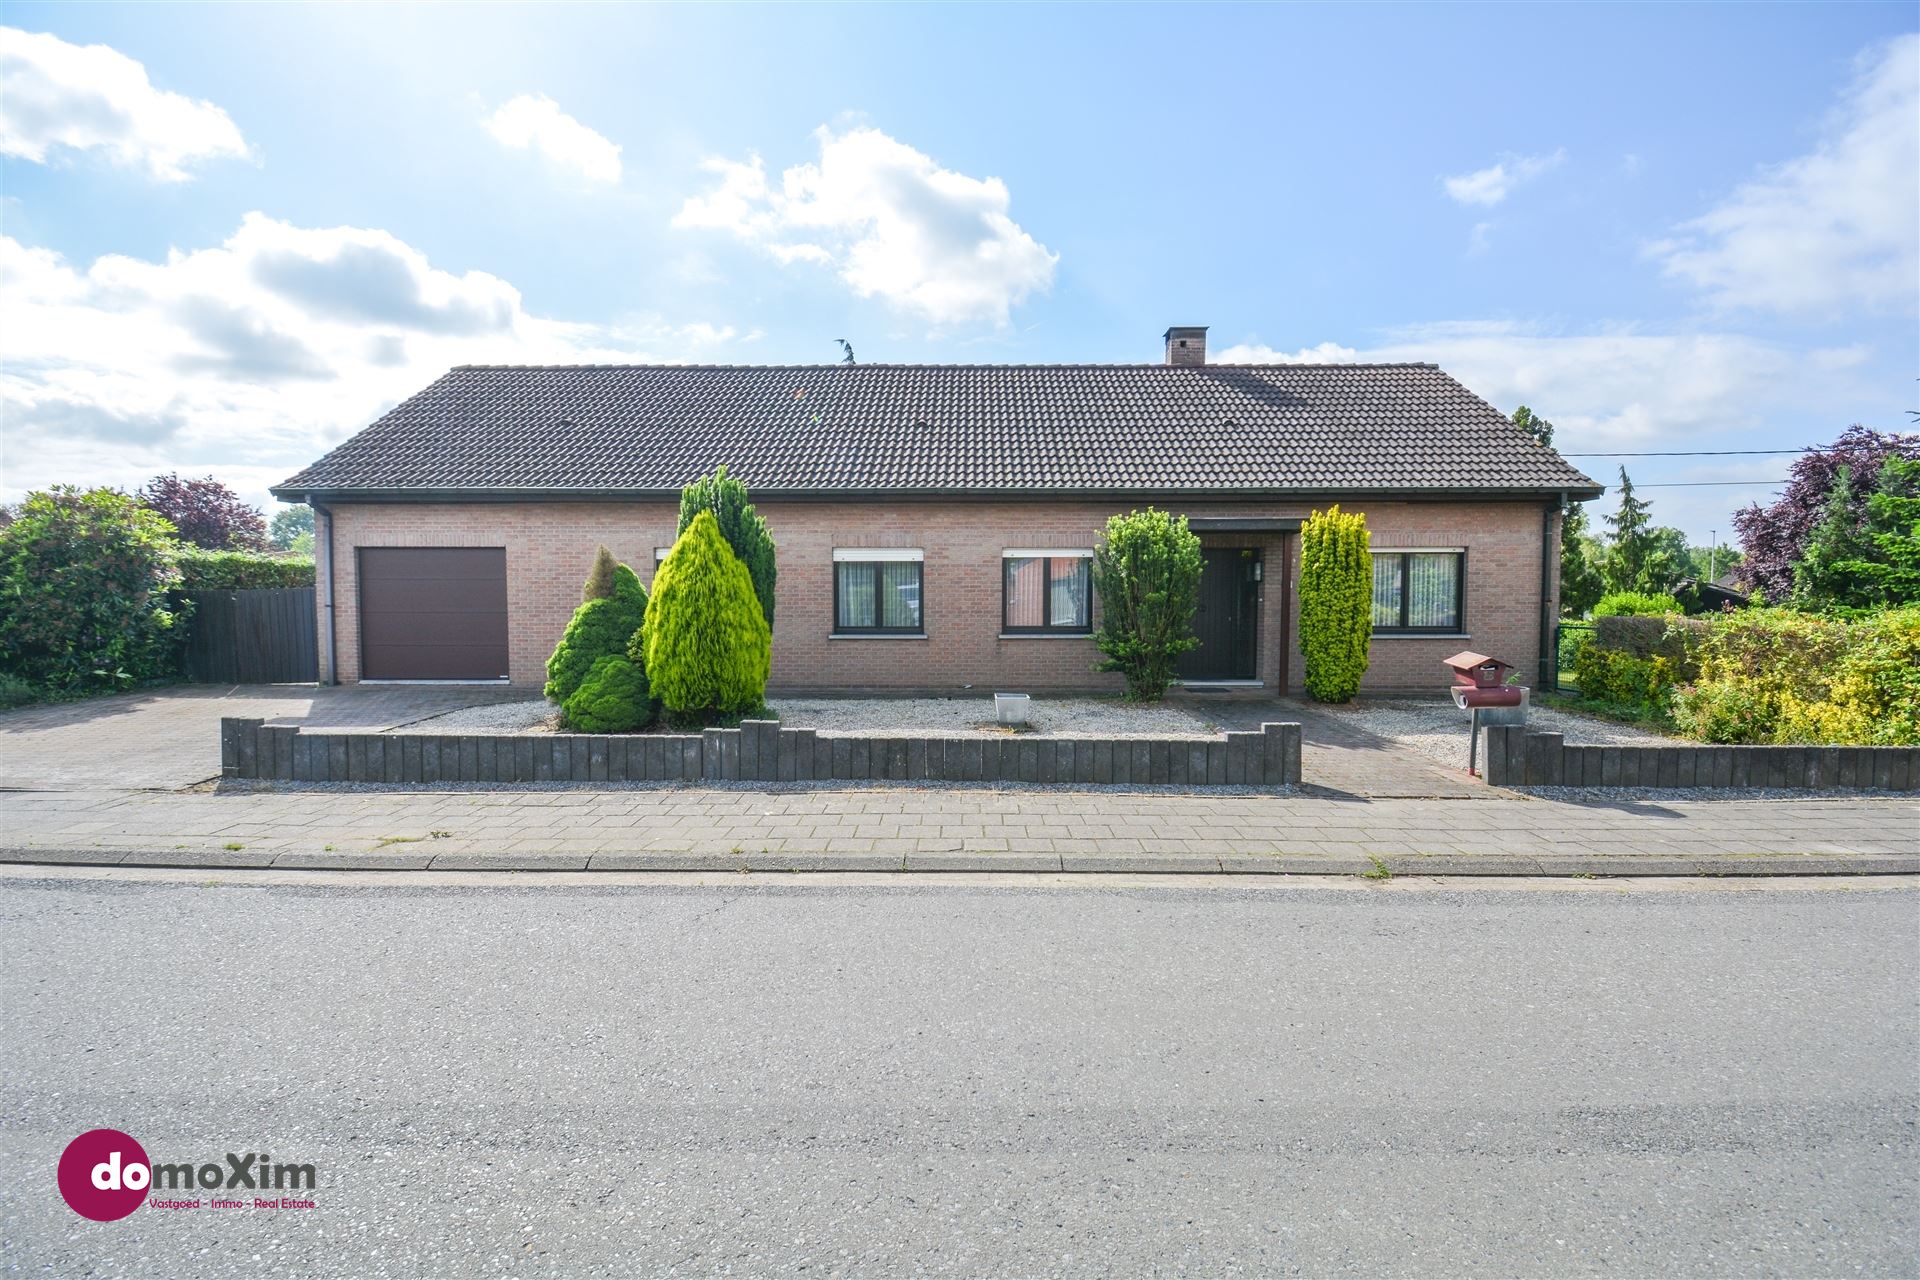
(1597, 866)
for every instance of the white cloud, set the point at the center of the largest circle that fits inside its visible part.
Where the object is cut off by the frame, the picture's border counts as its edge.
(1497, 181)
(1633, 391)
(1610, 389)
(249, 358)
(892, 222)
(534, 121)
(1830, 231)
(91, 97)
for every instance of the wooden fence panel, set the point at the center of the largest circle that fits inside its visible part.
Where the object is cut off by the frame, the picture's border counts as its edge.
(253, 637)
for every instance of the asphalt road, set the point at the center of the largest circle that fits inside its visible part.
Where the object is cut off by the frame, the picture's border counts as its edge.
(797, 1077)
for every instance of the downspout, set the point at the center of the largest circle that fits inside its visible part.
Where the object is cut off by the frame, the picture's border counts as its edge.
(1549, 661)
(323, 545)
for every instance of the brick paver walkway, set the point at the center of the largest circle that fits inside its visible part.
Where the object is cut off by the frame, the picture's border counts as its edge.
(171, 737)
(918, 829)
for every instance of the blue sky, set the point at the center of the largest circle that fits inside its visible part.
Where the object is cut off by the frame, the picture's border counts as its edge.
(234, 235)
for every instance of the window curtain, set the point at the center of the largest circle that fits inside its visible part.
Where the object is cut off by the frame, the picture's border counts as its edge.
(1070, 592)
(1386, 590)
(1433, 581)
(856, 595)
(899, 594)
(1024, 585)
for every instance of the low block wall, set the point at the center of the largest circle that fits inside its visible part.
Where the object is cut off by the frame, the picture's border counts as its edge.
(1518, 758)
(759, 750)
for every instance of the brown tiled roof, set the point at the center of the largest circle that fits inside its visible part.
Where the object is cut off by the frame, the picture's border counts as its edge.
(937, 429)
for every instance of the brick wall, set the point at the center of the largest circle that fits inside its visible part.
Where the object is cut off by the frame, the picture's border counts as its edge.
(550, 547)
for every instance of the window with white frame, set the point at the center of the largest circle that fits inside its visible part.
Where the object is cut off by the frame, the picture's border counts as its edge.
(1419, 591)
(878, 591)
(1046, 592)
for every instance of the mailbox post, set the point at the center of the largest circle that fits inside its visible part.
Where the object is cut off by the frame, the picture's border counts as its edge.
(1480, 689)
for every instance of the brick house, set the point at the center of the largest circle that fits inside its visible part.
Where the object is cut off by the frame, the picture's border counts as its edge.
(935, 522)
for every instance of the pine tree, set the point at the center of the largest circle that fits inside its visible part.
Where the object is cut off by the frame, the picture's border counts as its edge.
(599, 582)
(600, 628)
(740, 525)
(704, 645)
(1629, 559)
(1534, 425)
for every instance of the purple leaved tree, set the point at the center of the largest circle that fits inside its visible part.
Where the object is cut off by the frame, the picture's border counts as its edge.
(1775, 537)
(206, 512)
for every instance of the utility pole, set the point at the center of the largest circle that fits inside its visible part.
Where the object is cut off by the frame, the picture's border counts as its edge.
(1713, 545)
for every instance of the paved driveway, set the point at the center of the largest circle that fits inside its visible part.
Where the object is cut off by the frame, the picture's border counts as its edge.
(168, 738)
(1338, 758)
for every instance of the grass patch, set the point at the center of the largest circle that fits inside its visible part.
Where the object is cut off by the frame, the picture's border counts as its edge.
(384, 841)
(1379, 871)
(1638, 717)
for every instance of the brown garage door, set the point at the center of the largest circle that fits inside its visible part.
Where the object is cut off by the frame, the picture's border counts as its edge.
(433, 613)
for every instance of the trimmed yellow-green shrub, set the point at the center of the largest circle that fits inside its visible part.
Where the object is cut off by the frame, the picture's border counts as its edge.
(600, 628)
(1625, 680)
(1336, 603)
(743, 528)
(1635, 604)
(1781, 676)
(1146, 573)
(705, 643)
(614, 698)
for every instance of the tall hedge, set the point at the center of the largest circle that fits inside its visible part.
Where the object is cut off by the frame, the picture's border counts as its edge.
(1336, 603)
(1146, 573)
(740, 525)
(601, 628)
(84, 579)
(202, 570)
(705, 644)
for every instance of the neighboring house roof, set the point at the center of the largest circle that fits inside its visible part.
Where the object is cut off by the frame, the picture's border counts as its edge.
(821, 430)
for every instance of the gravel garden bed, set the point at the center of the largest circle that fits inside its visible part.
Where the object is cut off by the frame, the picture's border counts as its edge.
(1437, 729)
(881, 717)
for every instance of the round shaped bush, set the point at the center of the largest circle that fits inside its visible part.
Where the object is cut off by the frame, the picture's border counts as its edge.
(614, 698)
(600, 629)
(705, 643)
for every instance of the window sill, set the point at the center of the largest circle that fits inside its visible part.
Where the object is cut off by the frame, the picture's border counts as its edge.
(1046, 635)
(876, 635)
(1421, 635)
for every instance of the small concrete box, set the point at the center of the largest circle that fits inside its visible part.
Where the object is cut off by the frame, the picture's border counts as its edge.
(1012, 708)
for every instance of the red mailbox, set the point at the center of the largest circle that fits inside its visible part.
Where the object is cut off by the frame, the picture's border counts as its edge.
(1480, 681)
(1478, 670)
(1480, 684)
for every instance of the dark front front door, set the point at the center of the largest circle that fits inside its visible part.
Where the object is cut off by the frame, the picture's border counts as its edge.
(1227, 617)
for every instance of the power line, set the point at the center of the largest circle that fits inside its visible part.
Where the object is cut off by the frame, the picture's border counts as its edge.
(1690, 453)
(1701, 484)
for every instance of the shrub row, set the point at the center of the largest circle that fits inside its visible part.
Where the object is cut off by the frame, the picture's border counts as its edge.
(202, 570)
(1763, 675)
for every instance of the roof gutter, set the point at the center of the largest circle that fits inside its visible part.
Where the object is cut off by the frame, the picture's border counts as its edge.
(444, 495)
(1549, 567)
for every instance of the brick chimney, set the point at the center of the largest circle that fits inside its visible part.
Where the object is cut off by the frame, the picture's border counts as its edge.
(1187, 344)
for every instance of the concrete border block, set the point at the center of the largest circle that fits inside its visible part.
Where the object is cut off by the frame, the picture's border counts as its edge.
(229, 747)
(1216, 764)
(1544, 762)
